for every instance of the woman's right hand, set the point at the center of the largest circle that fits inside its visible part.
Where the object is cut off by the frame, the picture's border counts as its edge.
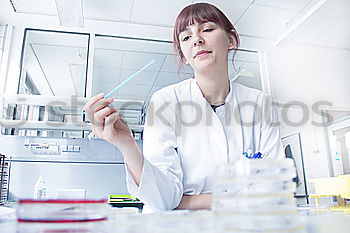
(107, 122)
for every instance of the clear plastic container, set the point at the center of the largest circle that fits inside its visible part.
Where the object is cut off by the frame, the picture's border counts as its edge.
(62, 216)
(40, 189)
(257, 196)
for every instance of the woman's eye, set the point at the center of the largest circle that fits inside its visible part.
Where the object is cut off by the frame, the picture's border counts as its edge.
(185, 38)
(208, 30)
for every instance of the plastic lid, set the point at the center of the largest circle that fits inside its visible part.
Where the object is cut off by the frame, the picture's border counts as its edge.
(60, 221)
(61, 201)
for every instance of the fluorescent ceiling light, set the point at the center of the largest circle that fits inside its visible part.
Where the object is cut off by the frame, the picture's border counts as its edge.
(300, 21)
(70, 13)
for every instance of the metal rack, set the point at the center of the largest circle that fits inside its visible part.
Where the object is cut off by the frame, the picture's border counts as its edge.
(4, 179)
(29, 115)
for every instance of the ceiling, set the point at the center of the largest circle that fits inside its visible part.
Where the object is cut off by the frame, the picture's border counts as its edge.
(253, 18)
(335, 115)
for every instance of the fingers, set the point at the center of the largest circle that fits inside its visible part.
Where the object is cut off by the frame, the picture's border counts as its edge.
(96, 104)
(115, 123)
(98, 124)
(120, 117)
(109, 121)
(100, 104)
(104, 118)
(103, 113)
(92, 101)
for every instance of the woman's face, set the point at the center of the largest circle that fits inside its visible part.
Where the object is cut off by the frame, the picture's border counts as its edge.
(205, 45)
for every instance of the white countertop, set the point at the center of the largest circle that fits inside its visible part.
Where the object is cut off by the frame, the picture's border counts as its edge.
(315, 221)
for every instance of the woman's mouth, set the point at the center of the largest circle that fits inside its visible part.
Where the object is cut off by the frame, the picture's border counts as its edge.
(202, 53)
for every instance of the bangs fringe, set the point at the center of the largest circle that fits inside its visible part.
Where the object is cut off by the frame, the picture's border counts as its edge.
(198, 13)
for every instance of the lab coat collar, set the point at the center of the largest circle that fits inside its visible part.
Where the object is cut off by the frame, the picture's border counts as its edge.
(198, 93)
(229, 96)
(234, 113)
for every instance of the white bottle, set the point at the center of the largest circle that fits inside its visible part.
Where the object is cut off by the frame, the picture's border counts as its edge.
(40, 189)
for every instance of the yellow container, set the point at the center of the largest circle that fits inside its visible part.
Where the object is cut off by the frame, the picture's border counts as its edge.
(332, 186)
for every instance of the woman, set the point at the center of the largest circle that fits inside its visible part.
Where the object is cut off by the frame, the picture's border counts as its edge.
(194, 125)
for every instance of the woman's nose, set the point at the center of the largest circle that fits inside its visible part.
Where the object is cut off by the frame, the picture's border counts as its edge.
(198, 40)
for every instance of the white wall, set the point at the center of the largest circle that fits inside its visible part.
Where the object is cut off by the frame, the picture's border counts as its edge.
(314, 145)
(2, 39)
(310, 74)
(14, 59)
(312, 140)
(3, 57)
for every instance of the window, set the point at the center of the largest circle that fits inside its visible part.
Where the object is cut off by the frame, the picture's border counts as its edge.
(54, 63)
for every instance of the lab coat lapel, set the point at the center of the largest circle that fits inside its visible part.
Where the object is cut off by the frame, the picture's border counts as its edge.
(213, 125)
(236, 124)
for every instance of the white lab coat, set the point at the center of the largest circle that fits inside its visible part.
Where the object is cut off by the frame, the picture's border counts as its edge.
(186, 121)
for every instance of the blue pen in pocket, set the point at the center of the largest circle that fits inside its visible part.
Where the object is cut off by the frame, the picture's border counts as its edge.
(250, 155)
(257, 155)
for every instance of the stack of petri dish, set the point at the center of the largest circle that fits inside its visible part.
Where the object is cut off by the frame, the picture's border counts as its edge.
(62, 215)
(257, 196)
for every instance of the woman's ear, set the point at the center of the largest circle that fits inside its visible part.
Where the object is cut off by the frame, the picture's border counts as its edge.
(232, 39)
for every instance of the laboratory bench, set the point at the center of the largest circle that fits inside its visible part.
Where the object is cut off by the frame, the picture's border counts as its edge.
(314, 219)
